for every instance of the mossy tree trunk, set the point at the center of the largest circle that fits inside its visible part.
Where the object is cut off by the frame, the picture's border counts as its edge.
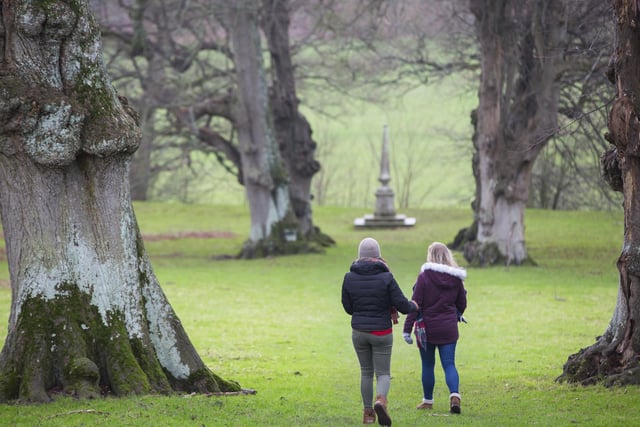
(152, 95)
(293, 131)
(87, 314)
(208, 107)
(264, 172)
(516, 116)
(614, 358)
(140, 171)
(140, 175)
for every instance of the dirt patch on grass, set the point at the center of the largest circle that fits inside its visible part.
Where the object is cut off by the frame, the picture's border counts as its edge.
(190, 235)
(163, 236)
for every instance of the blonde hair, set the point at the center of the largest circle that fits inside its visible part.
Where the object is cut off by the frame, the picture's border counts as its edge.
(439, 253)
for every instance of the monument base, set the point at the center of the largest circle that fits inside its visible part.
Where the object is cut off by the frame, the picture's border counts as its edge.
(373, 221)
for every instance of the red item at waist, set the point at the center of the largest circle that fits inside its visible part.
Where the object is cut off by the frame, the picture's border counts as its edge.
(381, 333)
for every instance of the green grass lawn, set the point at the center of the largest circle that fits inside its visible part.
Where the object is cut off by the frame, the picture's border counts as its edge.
(277, 326)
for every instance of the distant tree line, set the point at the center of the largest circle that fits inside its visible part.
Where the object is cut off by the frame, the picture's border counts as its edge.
(197, 73)
(538, 68)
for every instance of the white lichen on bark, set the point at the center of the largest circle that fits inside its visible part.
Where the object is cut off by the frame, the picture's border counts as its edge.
(111, 287)
(160, 319)
(55, 140)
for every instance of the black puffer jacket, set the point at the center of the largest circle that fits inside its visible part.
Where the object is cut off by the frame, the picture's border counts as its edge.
(369, 291)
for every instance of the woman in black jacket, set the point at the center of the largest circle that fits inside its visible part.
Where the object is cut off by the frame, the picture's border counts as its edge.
(371, 295)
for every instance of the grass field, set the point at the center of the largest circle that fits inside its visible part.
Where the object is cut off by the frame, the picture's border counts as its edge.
(277, 326)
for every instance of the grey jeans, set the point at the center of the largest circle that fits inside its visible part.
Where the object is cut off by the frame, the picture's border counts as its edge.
(374, 355)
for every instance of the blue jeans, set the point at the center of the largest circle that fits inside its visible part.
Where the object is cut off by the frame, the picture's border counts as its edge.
(447, 359)
(374, 356)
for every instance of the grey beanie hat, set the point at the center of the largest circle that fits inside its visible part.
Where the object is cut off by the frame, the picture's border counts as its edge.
(368, 248)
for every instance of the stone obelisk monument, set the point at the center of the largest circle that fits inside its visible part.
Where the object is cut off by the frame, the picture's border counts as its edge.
(385, 213)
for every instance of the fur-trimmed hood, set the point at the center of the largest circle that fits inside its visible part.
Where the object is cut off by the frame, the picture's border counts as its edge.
(440, 293)
(458, 272)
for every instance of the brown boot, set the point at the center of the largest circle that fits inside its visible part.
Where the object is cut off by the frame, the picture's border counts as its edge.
(369, 416)
(425, 405)
(381, 410)
(455, 403)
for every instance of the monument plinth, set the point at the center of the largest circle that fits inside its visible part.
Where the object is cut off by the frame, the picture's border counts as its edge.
(385, 214)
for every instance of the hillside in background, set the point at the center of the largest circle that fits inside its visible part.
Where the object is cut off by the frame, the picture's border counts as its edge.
(430, 143)
(431, 149)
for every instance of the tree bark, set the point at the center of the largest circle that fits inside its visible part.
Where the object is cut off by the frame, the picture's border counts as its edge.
(140, 173)
(613, 358)
(88, 315)
(264, 174)
(516, 116)
(292, 129)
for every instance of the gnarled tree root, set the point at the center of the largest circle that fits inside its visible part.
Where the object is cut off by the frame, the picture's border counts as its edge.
(600, 364)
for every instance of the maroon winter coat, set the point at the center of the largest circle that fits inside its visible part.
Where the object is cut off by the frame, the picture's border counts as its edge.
(440, 293)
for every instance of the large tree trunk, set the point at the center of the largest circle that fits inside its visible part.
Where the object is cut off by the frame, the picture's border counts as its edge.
(264, 174)
(87, 314)
(292, 129)
(613, 359)
(140, 173)
(516, 116)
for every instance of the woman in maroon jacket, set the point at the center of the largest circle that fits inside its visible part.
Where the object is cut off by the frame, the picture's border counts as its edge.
(440, 293)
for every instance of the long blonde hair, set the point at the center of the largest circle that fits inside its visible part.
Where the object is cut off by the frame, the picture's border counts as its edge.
(439, 253)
